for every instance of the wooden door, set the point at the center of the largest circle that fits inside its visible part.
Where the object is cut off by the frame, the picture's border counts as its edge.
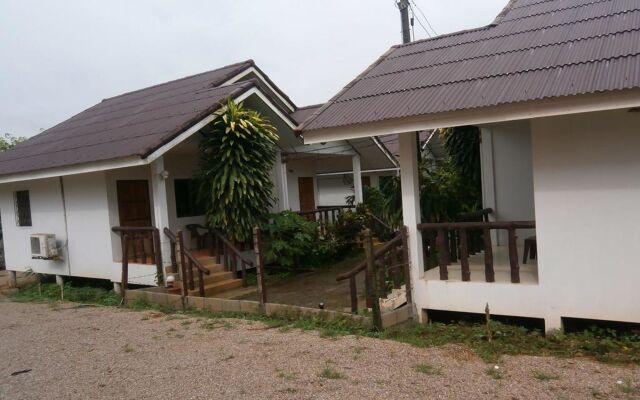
(134, 206)
(306, 194)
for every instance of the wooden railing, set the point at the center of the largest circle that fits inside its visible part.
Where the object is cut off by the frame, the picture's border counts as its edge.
(389, 263)
(324, 216)
(135, 249)
(229, 255)
(188, 262)
(443, 237)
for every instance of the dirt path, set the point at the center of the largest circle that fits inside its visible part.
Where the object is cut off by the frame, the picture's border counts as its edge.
(106, 353)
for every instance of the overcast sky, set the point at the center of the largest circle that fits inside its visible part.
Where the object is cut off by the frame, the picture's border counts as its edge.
(59, 57)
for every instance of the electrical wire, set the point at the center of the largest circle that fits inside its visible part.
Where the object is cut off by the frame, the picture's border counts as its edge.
(419, 21)
(425, 17)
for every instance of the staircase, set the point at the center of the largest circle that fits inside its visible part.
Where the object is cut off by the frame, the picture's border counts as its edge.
(220, 279)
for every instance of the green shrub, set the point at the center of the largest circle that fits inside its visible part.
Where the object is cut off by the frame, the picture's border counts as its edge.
(238, 151)
(290, 238)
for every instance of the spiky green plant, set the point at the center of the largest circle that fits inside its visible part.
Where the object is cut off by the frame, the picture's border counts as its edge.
(238, 152)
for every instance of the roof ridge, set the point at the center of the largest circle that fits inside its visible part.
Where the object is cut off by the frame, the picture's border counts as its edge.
(594, 37)
(503, 13)
(555, 10)
(310, 106)
(248, 62)
(493, 76)
(520, 32)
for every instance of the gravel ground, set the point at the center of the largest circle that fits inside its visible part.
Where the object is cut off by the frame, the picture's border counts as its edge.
(77, 352)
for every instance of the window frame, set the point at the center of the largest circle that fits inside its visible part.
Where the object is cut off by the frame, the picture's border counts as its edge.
(24, 221)
(192, 208)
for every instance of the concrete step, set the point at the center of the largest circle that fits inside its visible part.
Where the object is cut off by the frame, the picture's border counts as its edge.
(218, 287)
(213, 277)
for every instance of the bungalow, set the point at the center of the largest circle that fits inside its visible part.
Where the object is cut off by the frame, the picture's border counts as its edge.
(129, 161)
(554, 87)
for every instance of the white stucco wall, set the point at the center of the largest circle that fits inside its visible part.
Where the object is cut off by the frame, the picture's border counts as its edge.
(587, 180)
(507, 174)
(586, 173)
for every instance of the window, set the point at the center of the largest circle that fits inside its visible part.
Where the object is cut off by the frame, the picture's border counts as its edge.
(187, 204)
(23, 208)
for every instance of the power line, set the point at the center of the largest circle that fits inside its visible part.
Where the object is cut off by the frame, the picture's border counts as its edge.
(425, 17)
(419, 22)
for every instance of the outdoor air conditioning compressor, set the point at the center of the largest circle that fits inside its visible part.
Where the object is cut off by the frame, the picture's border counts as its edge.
(43, 246)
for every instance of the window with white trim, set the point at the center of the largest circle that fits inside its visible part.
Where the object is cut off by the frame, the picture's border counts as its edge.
(23, 208)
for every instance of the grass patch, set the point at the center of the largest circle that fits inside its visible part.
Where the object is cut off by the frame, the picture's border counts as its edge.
(627, 388)
(494, 372)
(605, 345)
(427, 369)
(330, 373)
(545, 377)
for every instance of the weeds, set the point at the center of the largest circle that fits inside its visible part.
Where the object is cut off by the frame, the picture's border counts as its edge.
(543, 376)
(330, 373)
(605, 345)
(494, 372)
(427, 369)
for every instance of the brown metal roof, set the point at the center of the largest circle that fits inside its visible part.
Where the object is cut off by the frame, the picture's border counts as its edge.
(535, 49)
(303, 113)
(132, 124)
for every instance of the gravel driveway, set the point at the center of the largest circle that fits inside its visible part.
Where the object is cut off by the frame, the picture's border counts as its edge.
(73, 352)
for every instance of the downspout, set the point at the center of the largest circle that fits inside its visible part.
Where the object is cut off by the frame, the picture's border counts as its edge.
(66, 225)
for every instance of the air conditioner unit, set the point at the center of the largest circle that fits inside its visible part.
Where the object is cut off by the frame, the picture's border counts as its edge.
(43, 246)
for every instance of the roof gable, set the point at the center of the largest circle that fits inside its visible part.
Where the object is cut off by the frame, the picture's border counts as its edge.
(133, 124)
(536, 49)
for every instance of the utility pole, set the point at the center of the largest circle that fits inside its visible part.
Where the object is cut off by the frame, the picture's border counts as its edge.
(403, 6)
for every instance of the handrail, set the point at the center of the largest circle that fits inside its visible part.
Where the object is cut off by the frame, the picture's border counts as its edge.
(187, 273)
(470, 216)
(390, 261)
(376, 255)
(450, 241)
(223, 246)
(477, 225)
(126, 233)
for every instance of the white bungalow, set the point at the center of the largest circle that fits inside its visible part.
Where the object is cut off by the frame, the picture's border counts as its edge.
(554, 87)
(129, 160)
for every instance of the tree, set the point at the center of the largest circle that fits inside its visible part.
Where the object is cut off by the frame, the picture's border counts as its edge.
(8, 141)
(237, 155)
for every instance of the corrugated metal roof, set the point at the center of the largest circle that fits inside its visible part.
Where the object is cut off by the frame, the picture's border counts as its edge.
(132, 124)
(303, 113)
(536, 49)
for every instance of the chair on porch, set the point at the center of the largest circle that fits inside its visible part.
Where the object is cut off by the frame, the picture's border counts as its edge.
(199, 233)
(530, 249)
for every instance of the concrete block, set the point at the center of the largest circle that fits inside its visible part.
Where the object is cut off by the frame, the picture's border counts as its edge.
(195, 302)
(174, 300)
(212, 304)
(230, 305)
(250, 307)
(157, 298)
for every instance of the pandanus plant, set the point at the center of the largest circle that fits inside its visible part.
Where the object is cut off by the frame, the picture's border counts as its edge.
(237, 156)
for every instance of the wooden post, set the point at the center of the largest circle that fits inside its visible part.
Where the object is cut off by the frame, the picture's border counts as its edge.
(405, 262)
(158, 256)
(257, 247)
(183, 266)
(441, 245)
(201, 283)
(513, 256)
(354, 294)
(125, 264)
(488, 256)
(372, 290)
(464, 256)
(174, 258)
(189, 276)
